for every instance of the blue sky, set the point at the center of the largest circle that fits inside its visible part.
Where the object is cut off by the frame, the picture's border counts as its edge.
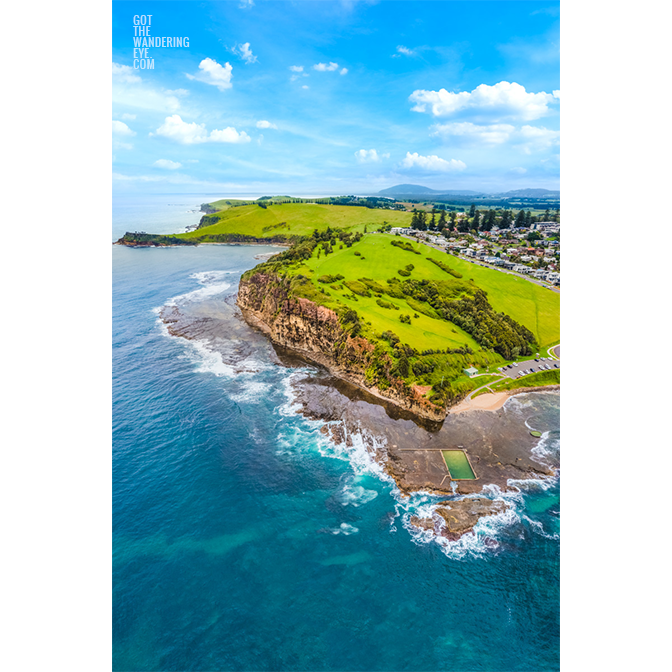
(337, 97)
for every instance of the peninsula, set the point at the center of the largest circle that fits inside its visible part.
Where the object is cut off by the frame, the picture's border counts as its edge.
(394, 314)
(400, 322)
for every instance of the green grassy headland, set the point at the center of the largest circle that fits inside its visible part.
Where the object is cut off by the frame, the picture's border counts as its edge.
(429, 314)
(291, 220)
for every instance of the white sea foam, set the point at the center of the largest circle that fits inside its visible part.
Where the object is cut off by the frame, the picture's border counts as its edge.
(345, 529)
(538, 528)
(253, 392)
(546, 447)
(213, 283)
(207, 360)
(356, 495)
(472, 544)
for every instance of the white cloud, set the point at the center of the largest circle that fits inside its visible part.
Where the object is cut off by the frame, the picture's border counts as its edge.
(519, 171)
(527, 138)
(120, 128)
(245, 53)
(492, 134)
(323, 67)
(501, 101)
(369, 156)
(296, 68)
(535, 139)
(180, 131)
(230, 135)
(128, 117)
(128, 91)
(143, 98)
(401, 49)
(246, 4)
(125, 74)
(213, 73)
(266, 124)
(556, 94)
(344, 71)
(168, 164)
(305, 86)
(432, 163)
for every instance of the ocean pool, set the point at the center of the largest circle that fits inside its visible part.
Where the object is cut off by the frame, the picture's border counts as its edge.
(458, 465)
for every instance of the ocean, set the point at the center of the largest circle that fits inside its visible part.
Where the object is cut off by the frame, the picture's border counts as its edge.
(244, 538)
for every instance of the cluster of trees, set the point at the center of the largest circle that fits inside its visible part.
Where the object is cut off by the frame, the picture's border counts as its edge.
(474, 314)
(495, 331)
(421, 222)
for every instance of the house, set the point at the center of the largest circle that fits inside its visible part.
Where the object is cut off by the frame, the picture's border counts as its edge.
(471, 371)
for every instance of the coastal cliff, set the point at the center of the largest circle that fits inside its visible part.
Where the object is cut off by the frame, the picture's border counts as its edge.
(317, 332)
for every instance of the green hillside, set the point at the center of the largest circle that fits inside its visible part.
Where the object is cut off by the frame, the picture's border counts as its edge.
(533, 306)
(293, 219)
(429, 314)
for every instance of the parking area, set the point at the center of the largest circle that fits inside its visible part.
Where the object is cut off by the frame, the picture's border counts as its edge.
(520, 369)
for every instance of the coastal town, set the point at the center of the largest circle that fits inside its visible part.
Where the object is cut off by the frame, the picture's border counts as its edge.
(527, 248)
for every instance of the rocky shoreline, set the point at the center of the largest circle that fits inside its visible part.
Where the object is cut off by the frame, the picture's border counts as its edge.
(406, 445)
(315, 332)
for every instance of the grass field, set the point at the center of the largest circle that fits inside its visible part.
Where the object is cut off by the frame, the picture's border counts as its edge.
(379, 261)
(526, 302)
(300, 219)
(226, 203)
(533, 306)
(538, 379)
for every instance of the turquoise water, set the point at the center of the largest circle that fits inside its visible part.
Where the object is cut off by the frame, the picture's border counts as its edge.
(245, 540)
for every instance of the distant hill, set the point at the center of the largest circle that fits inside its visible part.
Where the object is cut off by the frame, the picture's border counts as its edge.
(530, 193)
(419, 190)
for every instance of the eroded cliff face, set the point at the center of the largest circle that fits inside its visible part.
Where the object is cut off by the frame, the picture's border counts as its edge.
(315, 331)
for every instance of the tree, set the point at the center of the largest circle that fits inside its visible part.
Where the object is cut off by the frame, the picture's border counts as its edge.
(520, 219)
(528, 218)
(453, 219)
(476, 220)
(506, 219)
(422, 220)
(488, 221)
(432, 223)
(415, 224)
(463, 225)
(442, 220)
(472, 210)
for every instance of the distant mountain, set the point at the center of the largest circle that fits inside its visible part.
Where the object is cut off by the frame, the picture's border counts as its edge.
(419, 190)
(530, 193)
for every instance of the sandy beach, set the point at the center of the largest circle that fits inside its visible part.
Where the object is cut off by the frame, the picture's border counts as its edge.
(495, 400)
(484, 402)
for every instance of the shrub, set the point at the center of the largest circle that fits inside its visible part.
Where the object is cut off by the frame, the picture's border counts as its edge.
(403, 273)
(330, 279)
